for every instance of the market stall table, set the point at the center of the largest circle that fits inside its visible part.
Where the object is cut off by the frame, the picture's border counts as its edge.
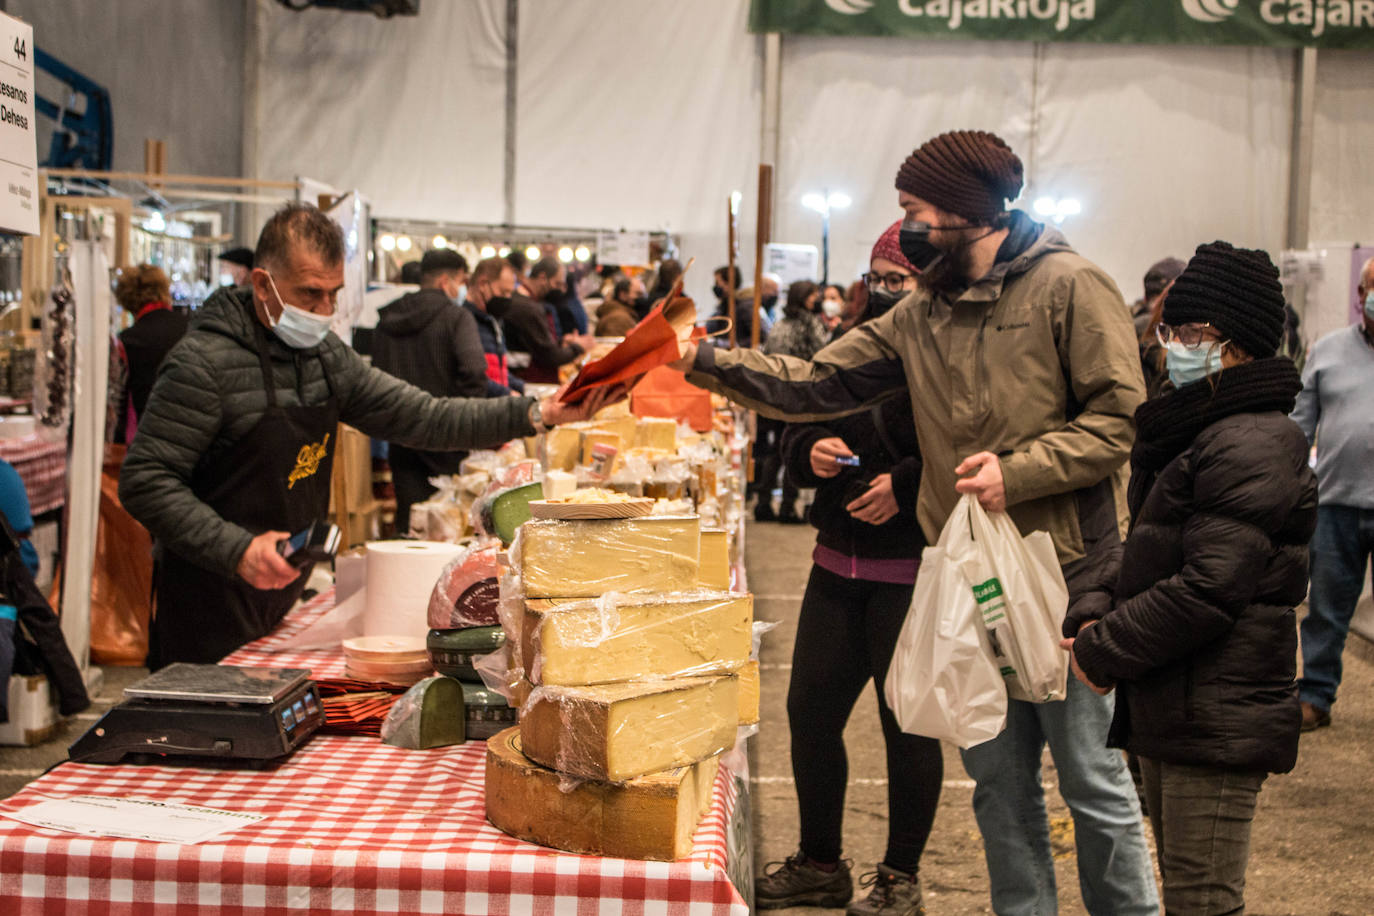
(42, 465)
(352, 826)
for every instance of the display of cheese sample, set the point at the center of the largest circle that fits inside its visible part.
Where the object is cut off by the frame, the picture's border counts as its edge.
(615, 732)
(749, 693)
(574, 558)
(652, 817)
(657, 432)
(559, 484)
(453, 652)
(430, 714)
(628, 637)
(715, 559)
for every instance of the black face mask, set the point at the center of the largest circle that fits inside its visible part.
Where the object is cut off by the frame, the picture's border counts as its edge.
(640, 303)
(719, 291)
(498, 306)
(880, 301)
(914, 240)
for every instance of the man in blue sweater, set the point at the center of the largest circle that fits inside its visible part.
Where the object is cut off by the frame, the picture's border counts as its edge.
(1334, 411)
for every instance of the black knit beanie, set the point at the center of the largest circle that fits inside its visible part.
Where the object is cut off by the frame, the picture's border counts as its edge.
(1236, 290)
(970, 173)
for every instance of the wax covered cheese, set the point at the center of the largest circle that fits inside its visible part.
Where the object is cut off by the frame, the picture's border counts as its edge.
(615, 732)
(652, 817)
(572, 558)
(620, 638)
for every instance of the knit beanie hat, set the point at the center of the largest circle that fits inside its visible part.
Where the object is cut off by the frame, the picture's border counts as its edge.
(970, 173)
(1236, 290)
(889, 247)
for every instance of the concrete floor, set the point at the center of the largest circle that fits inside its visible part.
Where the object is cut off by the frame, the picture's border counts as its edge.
(1313, 841)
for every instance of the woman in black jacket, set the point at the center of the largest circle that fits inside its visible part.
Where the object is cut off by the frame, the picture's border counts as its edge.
(1197, 629)
(866, 470)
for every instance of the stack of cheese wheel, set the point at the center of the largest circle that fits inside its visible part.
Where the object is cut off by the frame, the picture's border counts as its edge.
(636, 678)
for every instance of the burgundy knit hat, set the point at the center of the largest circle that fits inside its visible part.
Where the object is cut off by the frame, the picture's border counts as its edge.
(888, 247)
(970, 173)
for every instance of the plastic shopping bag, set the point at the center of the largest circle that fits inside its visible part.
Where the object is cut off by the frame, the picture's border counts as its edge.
(942, 682)
(1021, 596)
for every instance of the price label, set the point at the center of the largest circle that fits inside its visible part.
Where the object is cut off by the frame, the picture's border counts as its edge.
(18, 133)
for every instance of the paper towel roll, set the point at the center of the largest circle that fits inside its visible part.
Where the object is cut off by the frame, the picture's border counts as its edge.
(400, 577)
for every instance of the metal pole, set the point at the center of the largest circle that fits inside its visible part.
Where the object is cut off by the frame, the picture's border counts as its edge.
(825, 246)
(764, 227)
(512, 59)
(1300, 162)
(731, 222)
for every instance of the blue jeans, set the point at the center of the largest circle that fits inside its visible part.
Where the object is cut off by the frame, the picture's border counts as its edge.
(1340, 554)
(1114, 870)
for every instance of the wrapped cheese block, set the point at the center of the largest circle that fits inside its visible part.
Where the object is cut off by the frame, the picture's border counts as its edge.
(749, 693)
(652, 817)
(715, 559)
(619, 638)
(616, 732)
(657, 432)
(467, 593)
(573, 558)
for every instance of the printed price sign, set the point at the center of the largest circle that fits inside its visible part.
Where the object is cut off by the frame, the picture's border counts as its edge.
(18, 133)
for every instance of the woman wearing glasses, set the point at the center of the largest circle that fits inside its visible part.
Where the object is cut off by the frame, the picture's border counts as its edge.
(866, 470)
(1195, 624)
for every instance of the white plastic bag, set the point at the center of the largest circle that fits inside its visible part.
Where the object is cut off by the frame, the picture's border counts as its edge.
(1021, 597)
(942, 682)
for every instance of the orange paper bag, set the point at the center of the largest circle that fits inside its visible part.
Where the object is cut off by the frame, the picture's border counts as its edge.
(652, 343)
(665, 393)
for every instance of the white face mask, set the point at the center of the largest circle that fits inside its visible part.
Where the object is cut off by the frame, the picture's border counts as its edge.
(226, 280)
(296, 327)
(831, 307)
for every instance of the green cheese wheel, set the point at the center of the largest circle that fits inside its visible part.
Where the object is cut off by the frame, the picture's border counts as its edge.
(487, 712)
(453, 651)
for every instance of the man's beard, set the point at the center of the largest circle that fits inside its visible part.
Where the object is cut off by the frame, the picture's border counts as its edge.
(949, 276)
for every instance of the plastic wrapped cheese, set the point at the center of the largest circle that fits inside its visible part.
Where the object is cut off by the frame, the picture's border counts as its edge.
(467, 592)
(574, 558)
(615, 732)
(617, 638)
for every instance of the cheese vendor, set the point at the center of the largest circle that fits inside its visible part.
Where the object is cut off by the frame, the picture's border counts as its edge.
(235, 447)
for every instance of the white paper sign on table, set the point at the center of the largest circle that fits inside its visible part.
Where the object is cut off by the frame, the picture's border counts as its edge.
(132, 818)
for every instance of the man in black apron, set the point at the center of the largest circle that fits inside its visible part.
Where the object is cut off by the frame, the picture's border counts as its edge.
(236, 445)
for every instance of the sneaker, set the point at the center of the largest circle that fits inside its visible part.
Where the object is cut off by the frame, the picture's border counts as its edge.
(1314, 717)
(894, 893)
(797, 882)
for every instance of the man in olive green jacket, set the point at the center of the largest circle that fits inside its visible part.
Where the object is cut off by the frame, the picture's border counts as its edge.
(1024, 376)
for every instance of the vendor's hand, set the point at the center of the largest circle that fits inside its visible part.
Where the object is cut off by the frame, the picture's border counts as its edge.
(584, 342)
(824, 453)
(985, 481)
(878, 504)
(684, 362)
(1067, 645)
(261, 566)
(554, 412)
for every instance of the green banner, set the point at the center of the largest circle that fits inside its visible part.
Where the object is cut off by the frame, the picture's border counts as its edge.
(1282, 23)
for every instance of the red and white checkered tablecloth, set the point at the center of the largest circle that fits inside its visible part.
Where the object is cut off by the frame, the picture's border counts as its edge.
(42, 466)
(352, 826)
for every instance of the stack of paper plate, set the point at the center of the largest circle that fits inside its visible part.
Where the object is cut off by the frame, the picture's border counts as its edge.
(387, 659)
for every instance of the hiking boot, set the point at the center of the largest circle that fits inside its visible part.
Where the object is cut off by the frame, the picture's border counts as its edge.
(894, 893)
(1314, 717)
(798, 882)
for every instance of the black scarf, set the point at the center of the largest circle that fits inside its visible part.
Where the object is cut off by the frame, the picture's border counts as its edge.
(1168, 424)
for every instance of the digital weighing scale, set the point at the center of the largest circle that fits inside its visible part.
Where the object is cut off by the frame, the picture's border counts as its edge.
(206, 713)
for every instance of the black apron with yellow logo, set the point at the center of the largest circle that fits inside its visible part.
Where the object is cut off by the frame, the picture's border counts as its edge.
(276, 477)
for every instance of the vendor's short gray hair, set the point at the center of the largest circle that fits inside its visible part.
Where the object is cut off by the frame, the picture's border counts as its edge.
(299, 224)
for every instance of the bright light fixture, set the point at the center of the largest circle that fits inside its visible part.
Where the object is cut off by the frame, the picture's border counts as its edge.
(439, 242)
(505, 251)
(1057, 209)
(583, 253)
(814, 201)
(155, 223)
(532, 253)
(839, 200)
(565, 254)
(388, 242)
(403, 243)
(488, 251)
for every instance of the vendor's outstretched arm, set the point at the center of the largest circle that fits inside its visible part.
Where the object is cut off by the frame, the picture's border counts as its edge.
(859, 369)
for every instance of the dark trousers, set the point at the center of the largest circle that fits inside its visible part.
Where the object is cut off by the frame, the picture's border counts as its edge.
(1340, 552)
(767, 468)
(410, 478)
(1201, 818)
(846, 634)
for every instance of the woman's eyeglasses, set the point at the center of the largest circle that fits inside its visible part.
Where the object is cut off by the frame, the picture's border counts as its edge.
(1191, 336)
(893, 282)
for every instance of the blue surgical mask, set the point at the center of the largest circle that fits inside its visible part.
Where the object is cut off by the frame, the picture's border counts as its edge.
(1187, 366)
(296, 327)
(1369, 307)
(462, 294)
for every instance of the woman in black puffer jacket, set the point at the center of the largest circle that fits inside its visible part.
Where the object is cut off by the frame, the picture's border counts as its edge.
(1197, 629)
